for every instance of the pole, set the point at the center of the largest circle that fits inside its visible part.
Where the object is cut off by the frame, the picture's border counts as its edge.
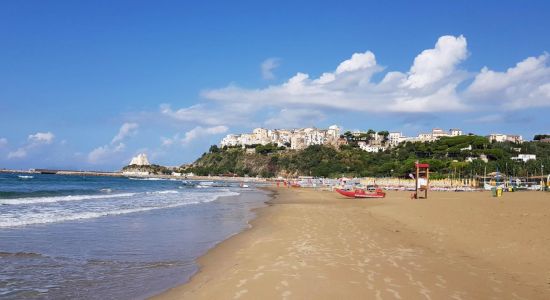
(542, 177)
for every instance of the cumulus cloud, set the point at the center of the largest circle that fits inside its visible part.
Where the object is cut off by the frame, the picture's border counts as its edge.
(126, 130)
(435, 82)
(358, 61)
(527, 84)
(350, 87)
(41, 137)
(268, 66)
(435, 64)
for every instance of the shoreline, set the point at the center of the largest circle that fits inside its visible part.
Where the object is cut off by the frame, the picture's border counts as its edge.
(271, 194)
(303, 238)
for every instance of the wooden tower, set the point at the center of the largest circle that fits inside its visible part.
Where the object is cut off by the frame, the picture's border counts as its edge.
(422, 180)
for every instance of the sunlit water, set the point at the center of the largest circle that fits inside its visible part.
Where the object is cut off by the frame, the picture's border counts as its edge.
(110, 238)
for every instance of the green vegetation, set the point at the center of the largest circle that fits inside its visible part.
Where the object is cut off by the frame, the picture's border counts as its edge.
(152, 169)
(447, 157)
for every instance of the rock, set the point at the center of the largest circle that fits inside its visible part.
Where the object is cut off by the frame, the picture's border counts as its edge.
(140, 160)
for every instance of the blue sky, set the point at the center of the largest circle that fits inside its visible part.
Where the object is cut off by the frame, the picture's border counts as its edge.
(89, 84)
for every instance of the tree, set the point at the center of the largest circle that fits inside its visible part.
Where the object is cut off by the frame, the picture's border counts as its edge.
(385, 134)
(348, 135)
(539, 137)
(214, 149)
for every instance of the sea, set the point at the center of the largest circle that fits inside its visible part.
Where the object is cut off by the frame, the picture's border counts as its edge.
(74, 237)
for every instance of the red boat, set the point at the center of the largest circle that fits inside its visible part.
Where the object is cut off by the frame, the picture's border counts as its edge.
(360, 193)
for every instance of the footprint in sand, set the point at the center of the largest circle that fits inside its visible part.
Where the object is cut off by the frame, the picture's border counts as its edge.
(378, 295)
(394, 293)
(239, 294)
(258, 275)
(241, 282)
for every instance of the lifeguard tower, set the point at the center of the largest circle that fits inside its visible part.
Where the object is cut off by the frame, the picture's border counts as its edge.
(422, 180)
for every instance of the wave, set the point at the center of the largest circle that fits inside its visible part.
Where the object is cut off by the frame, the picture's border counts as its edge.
(52, 217)
(164, 192)
(38, 200)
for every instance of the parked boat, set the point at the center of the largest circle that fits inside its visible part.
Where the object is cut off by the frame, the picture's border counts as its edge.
(360, 193)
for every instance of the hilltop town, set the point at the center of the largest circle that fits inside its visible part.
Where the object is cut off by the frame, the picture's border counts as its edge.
(369, 141)
(328, 152)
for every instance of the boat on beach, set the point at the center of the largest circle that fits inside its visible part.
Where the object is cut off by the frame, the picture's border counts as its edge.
(361, 193)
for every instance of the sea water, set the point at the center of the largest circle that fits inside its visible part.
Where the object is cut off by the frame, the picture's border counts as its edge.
(110, 238)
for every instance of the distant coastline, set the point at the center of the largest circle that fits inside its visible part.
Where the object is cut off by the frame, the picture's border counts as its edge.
(120, 174)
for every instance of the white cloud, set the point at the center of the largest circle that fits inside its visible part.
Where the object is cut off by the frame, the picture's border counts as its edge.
(34, 141)
(434, 83)
(350, 87)
(126, 130)
(358, 61)
(268, 66)
(41, 137)
(3, 142)
(19, 153)
(200, 131)
(435, 64)
(228, 113)
(101, 153)
(525, 85)
(193, 134)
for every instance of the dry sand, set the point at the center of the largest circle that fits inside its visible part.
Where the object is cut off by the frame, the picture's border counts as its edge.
(317, 245)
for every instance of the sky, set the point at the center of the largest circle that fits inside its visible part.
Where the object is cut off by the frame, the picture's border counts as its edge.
(89, 84)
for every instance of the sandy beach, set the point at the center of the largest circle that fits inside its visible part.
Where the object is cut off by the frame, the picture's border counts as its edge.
(311, 244)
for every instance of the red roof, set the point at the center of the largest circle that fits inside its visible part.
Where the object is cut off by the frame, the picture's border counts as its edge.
(422, 165)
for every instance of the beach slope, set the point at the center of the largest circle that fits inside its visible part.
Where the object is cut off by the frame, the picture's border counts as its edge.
(317, 245)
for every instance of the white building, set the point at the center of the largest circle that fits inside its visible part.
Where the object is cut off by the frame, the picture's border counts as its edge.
(525, 157)
(499, 137)
(455, 132)
(394, 137)
(231, 140)
(297, 138)
(371, 148)
(438, 132)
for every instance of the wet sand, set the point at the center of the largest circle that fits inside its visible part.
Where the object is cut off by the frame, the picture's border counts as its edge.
(317, 245)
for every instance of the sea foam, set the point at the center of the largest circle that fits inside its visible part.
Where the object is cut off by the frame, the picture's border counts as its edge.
(38, 200)
(143, 201)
